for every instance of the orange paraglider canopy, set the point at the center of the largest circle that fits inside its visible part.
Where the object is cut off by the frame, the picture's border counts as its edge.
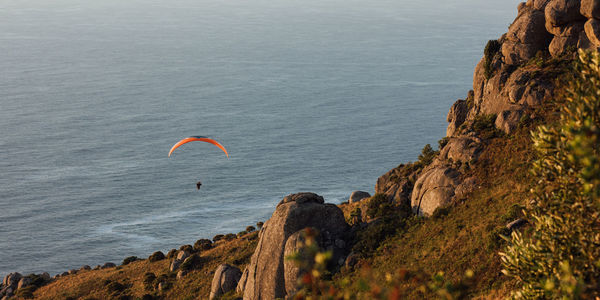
(200, 139)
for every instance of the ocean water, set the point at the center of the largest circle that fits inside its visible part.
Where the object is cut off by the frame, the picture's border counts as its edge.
(311, 95)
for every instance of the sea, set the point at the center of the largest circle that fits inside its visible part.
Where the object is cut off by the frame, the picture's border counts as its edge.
(322, 96)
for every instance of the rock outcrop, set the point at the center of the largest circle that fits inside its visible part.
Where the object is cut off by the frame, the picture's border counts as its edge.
(434, 188)
(396, 184)
(177, 261)
(226, 279)
(506, 82)
(268, 276)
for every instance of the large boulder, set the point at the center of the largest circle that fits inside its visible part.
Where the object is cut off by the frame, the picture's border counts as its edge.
(434, 188)
(357, 196)
(267, 276)
(559, 13)
(565, 39)
(525, 37)
(590, 8)
(177, 261)
(226, 279)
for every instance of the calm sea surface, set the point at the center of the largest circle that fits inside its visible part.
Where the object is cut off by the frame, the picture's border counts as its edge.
(307, 95)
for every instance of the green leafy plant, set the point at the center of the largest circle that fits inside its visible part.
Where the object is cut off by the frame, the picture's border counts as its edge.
(561, 258)
(491, 48)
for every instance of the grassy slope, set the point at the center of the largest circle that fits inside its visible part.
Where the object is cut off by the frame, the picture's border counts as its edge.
(195, 285)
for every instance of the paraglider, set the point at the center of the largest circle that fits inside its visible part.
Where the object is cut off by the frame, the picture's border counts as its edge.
(200, 139)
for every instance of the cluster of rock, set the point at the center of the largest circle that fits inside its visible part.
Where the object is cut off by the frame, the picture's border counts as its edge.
(504, 88)
(507, 87)
(15, 281)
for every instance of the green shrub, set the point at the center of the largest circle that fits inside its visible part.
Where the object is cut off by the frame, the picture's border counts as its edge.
(129, 260)
(250, 228)
(259, 225)
(485, 126)
(491, 48)
(230, 236)
(379, 206)
(440, 212)
(560, 258)
(514, 211)
(156, 256)
(427, 155)
(443, 142)
(242, 233)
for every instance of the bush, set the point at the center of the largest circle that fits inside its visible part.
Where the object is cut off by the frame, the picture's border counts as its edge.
(230, 236)
(242, 233)
(114, 287)
(491, 48)
(485, 126)
(250, 228)
(260, 225)
(427, 155)
(442, 143)
(156, 256)
(129, 260)
(559, 259)
(202, 244)
(187, 248)
(218, 237)
(379, 206)
(149, 279)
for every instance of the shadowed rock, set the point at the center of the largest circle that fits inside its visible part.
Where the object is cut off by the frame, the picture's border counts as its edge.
(226, 279)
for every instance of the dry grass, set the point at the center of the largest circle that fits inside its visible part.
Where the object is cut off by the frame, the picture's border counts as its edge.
(195, 285)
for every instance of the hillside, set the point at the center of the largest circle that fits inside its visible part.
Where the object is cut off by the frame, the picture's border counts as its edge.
(434, 228)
